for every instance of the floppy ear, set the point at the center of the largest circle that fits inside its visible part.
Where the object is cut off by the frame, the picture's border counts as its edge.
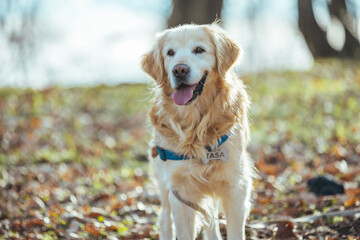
(152, 64)
(226, 51)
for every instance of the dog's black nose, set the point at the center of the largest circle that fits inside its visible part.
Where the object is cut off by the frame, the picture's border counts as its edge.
(180, 70)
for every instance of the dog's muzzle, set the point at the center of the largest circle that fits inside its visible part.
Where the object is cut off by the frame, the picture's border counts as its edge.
(185, 94)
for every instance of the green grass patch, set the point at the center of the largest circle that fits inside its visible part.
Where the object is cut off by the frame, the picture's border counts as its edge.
(107, 124)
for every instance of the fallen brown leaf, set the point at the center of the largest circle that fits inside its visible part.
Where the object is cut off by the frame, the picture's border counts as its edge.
(90, 228)
(285, 230)
(28, 223)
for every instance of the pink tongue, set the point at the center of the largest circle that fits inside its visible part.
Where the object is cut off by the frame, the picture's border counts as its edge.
(183, 95)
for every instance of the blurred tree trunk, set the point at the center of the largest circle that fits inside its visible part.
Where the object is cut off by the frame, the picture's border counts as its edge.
(315, 36)
(199, 11)
(21, 35)
(338, 9)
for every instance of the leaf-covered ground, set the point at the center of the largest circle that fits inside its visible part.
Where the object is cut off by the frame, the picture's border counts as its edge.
(73, 161)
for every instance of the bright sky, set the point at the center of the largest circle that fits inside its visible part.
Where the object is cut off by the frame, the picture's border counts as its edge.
(95, 41)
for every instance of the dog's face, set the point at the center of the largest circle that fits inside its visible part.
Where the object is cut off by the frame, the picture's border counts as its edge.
(188, 58)
(184, 57)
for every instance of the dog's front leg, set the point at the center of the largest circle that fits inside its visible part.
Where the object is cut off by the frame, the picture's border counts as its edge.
(212, 232)
(166, 231)
(237, 207)
(183, 217)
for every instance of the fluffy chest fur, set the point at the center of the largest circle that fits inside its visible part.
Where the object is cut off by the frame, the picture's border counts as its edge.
(188, 131)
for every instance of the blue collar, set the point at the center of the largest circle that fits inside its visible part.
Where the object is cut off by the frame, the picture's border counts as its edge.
(170, 155)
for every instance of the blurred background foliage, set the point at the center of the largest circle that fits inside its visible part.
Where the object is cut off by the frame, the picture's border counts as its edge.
(74, 102)
(92, 42)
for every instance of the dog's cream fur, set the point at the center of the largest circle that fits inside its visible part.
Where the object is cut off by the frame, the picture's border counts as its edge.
(221, 109)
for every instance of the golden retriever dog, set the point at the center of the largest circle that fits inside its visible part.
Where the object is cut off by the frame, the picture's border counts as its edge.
(201, 132)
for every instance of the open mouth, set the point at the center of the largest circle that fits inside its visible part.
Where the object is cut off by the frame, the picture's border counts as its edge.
(185, 94)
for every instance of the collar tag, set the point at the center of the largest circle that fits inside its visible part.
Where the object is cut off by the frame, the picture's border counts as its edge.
(217, 154)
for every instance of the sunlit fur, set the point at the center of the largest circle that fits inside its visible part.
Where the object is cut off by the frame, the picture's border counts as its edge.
(221, 109)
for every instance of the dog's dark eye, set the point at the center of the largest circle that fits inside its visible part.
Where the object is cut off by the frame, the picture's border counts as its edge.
(198, 50)
(171, 52)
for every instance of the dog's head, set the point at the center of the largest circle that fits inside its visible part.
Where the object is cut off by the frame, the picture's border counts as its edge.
(182, 59)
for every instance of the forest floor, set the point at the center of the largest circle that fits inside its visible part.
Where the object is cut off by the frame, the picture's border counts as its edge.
(73, 161)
